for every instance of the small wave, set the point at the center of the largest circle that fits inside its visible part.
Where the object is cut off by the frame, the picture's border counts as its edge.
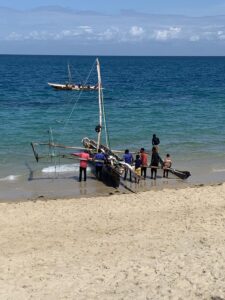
(10, 178)
(218, 170)
(62, 168)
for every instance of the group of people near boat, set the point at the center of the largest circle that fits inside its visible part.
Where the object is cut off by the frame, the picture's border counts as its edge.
(138, 166)
(141, 164)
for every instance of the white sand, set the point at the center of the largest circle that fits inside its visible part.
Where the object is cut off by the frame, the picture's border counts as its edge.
(166, 244)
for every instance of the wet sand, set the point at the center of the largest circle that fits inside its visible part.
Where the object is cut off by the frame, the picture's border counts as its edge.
(36, 184)
(166, 244)
(67, 186)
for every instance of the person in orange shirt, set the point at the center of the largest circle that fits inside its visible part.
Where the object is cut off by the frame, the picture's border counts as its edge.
(144, 162)
(85, 157)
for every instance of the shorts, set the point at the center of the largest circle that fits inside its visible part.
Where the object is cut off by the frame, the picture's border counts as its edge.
(138, 171)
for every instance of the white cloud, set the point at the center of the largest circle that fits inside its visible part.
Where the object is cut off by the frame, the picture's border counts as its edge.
(77, 27)
(136, 31)
(87, 29)
(221, 35)
(46, 35)
(167, 34)
(13, 36)
(111, 33)
(194, 38)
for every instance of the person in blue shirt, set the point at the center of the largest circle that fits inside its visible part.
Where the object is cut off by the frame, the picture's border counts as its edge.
(100, 157)
(128, 158)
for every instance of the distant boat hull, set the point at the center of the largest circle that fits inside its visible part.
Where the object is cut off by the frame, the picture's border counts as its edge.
(73, 87)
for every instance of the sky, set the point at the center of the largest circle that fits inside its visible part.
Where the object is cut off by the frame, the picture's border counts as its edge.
(113, 27)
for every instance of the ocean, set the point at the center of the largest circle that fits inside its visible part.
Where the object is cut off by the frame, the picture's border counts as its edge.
(180, 99)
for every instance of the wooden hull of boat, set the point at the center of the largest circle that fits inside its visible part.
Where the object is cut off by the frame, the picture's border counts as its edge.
(73, 87)
(110, 176)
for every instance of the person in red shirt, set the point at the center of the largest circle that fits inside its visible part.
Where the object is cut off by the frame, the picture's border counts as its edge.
(85, 157)
(144, 162)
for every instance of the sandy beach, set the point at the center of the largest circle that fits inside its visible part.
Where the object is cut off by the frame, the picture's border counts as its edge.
(166, 244)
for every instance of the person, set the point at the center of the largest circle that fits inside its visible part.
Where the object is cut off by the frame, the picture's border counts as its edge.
(155, 142)
(128, 158)
(137, 167)
(167, 163)
(144, 162)
(85, 157)
(155, 160)
(99, 164)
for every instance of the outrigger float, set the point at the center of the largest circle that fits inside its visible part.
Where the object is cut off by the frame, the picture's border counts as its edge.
(114, 166)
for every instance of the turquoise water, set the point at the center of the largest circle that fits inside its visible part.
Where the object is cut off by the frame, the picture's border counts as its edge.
(181, 99)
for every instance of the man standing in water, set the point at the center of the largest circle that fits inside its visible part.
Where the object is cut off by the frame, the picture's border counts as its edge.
(155, 160)
(84, 158)
(100, 157)
(155, 142)
(128, 158)
(144, 162)
(167, 163)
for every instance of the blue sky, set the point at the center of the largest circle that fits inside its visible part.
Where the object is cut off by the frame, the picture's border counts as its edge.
(141, 27)
(186, 7)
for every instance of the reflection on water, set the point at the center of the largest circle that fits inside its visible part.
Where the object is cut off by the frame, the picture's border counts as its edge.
(83, 187)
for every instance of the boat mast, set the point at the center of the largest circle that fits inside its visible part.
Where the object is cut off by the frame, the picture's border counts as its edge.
(69, 74)
(99, 102)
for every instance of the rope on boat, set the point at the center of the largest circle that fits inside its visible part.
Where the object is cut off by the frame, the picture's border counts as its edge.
(75, 71)
(52, 150)
(78, 98)
(105, 124)
(56, 154)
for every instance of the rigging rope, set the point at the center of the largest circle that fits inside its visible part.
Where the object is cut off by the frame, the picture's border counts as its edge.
(79, 75)
(67, 120)
(105, 124)
(52, 151)
(78, 98)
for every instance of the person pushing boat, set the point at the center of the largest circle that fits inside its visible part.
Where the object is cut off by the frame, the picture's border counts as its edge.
(137, 166)
(144, 162)
(155, 160)
(167, 163)
(100, 158)
(84, 158)
(128, 158)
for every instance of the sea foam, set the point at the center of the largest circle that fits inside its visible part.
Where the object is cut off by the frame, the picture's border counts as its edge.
(219, 170)
(62, 168)
(10, 178)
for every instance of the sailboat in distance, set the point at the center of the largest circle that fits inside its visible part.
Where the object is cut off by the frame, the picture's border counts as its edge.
(73, 86)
